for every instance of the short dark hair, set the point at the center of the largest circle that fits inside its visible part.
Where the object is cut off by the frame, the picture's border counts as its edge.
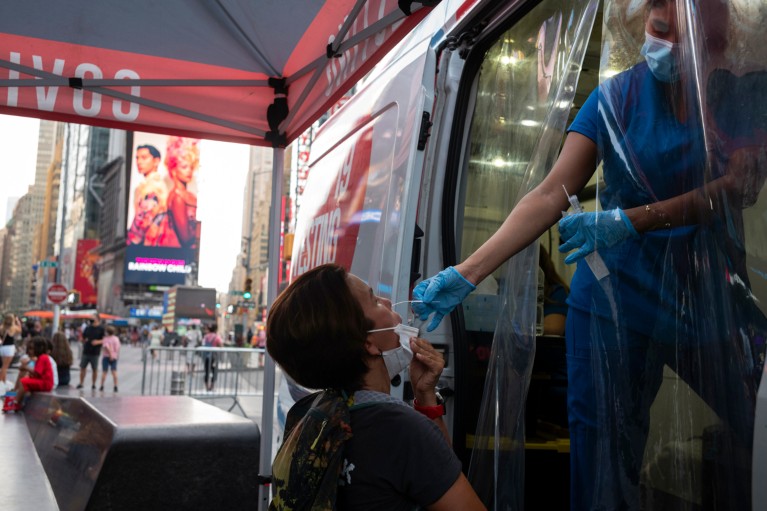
(316, 331)
(152, 150)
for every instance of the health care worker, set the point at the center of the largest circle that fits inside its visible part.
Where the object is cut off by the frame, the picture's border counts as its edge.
(657, 235)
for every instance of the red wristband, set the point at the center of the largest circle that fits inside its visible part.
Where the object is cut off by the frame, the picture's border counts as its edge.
(431, 412)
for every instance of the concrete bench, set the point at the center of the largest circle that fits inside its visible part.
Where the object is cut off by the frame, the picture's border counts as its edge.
(136, 452)
(23, 483)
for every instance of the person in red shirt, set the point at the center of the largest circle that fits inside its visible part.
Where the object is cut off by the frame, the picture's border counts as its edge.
(39, 379)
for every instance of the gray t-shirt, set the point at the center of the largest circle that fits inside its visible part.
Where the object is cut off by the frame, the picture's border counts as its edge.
(194, 337)
(397, 459)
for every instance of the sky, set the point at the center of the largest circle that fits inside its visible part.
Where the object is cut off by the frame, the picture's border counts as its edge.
(223, 169)
(18, 149)
(223, 172)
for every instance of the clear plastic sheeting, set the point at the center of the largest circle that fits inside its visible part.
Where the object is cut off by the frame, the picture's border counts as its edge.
(668, 350)
(665, 352)
(525, 89)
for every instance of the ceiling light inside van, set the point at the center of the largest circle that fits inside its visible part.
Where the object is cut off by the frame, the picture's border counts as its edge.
(529, 122)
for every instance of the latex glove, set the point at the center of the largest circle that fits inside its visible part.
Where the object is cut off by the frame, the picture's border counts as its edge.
(587, 231)
(440, 294)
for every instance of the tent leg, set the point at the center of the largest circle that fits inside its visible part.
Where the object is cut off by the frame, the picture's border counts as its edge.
(267, 413)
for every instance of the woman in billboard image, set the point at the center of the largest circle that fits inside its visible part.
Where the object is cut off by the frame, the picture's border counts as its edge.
(175, 224)
(182, 159)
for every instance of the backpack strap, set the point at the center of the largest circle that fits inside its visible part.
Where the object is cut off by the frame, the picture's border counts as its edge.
(309, 461)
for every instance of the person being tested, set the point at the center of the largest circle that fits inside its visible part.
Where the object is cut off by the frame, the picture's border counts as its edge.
(328, 330)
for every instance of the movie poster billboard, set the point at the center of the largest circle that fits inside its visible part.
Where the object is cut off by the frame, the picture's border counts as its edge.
(86, 270)
(163, 232)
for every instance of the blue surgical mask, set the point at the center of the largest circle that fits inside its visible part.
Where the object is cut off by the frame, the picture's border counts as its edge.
(661, 57)
(397, 359)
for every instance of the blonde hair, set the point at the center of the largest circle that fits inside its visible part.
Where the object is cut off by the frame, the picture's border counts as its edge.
(182, 148)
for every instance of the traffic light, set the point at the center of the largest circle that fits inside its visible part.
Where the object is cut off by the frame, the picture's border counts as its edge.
(246, 294)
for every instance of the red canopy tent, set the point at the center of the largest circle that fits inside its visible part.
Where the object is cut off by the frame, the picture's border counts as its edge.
(256, 72)
(252, 72)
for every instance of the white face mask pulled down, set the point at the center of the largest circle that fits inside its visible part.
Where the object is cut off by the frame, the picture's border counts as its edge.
(397, 359)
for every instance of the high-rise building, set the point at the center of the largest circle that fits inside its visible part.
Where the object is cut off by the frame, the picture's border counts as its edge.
(21, 233)
(84, 152)
(111, 287)
(253, 260)
(46, 191)
(29, 235)
(9, 207)
(49, 149)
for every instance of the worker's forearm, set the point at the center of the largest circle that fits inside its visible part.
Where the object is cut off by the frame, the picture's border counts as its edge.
(526, 223)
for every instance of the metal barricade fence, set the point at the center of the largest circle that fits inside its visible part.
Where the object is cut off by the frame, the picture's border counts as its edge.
(203, 373)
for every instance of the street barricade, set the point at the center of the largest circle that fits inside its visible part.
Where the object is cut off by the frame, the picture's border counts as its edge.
(203, 373)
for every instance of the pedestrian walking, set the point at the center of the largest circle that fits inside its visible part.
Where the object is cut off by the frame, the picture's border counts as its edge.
(111, 346)
(93, 337)
(210, 341)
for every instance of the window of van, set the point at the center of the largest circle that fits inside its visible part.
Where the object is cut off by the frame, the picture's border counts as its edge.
(515, 95)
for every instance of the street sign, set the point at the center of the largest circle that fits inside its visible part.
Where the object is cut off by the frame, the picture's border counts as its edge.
(49, 264)
(56, 294)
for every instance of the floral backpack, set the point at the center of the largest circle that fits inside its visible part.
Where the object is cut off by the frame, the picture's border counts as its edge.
(306, 469)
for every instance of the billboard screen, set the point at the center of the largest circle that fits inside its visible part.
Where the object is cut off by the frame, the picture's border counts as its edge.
(86, 270)
(163, 230)
(199, 303)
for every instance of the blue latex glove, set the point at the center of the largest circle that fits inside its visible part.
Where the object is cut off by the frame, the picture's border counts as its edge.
(587, 231)
(440, 294)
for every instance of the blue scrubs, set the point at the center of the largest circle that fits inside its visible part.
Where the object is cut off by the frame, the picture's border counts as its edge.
(650, 310)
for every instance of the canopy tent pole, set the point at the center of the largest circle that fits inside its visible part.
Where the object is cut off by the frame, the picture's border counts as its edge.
(267, 412)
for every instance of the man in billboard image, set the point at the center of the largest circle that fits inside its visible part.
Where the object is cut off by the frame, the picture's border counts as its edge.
(149, 198)
(147, 160)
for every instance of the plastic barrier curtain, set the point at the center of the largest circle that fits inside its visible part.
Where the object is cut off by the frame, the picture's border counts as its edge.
(665, 352)
(675, 339)
(546, 77)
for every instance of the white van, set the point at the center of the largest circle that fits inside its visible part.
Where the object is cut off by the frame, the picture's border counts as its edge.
(425, 162)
